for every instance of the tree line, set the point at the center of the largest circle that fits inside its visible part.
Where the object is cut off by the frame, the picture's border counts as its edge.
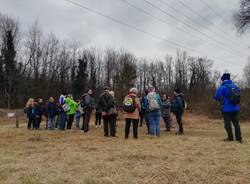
(35, 64)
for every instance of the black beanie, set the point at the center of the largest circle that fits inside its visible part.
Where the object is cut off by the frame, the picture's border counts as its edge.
(178, 91)
(225, 76)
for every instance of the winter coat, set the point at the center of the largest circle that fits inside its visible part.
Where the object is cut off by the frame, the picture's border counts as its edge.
(98, 108)
(166, 107)
(144, 104)
(41, 109)
(178, 104)
(32, 112)
(223, 94)
(135, 114)
(87, 102)
(51, 109)
(72, 106)
(105, 102)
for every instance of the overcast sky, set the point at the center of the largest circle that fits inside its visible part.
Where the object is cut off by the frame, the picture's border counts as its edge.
(206, 29)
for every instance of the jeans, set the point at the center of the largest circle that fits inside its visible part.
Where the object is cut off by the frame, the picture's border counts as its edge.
(77, 119)
(51, 123)
(63, 118)
(109, 125)
(154, 123)
(232, 117)
(135, 127)
(178, 116)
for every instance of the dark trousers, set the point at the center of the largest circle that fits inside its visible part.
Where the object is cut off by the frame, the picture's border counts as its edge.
(98, 118)
(229, 118)
(135, 127)
(141, 118)
(178, 116)
(167, 120)
(109, 125)
(70, 121)
(39, 120)
(85, 121)
(32, 123)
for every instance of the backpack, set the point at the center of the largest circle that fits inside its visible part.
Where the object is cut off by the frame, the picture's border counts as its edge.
(86, 102)
(234, 97)
(129, 104)
(152, 102)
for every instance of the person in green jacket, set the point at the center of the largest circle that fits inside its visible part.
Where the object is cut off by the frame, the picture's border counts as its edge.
(72, 108)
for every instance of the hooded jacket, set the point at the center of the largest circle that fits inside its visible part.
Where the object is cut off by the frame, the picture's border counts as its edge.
(223, 94)
(72, 106)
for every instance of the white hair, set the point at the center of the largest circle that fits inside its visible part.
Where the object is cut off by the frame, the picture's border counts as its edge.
(133, 90)
(112, 93)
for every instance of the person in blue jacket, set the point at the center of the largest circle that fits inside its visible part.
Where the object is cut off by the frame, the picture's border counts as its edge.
(229, 110)
(177, 107)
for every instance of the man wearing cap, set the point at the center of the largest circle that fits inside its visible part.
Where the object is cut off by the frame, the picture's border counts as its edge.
(229, 109)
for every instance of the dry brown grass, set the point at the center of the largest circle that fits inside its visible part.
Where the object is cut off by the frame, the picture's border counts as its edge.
(200, 156)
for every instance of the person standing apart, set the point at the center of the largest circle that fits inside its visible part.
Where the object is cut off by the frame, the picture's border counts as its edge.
(166, 115)
(228, 94)
(131, 108)
(177, 107)
(154, 105)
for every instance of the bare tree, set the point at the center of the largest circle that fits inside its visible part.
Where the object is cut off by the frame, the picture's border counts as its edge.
(242, 17)
(247, 75)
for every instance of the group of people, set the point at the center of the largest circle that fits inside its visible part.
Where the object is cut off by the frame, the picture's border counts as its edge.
(149, 107)
(62, 113)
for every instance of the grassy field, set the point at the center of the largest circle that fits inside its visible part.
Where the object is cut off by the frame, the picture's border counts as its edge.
(54, 157)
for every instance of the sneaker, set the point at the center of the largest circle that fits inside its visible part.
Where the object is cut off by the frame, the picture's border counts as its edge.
(100, 126)
(96, 126)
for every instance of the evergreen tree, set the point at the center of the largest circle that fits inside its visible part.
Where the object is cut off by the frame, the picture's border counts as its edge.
(10, 70)
(81, 80)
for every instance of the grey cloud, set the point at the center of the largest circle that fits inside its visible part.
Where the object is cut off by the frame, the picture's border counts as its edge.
(70, 22)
